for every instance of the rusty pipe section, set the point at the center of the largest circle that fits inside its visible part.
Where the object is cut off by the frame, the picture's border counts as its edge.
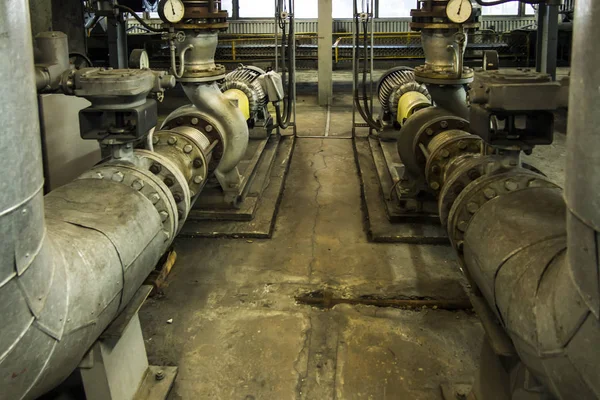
(70, 262)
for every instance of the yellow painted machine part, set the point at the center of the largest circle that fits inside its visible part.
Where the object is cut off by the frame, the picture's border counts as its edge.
(410, 103)
(241, 99)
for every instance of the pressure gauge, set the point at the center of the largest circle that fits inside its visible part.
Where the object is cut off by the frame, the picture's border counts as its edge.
(459, 11)
(171, 11)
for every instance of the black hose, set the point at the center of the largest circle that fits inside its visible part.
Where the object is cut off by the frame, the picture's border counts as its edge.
(363, 111)
(287, 70)
(137, 17)
(498, 2)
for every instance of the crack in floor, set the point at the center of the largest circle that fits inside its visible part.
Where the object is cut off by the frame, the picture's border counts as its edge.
(318, 206)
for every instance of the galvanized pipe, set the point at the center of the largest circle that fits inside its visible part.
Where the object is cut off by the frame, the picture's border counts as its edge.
(69, 262)
(538, 271)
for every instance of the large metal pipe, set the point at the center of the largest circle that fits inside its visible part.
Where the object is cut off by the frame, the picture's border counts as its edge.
(69, 263)
(538, 271)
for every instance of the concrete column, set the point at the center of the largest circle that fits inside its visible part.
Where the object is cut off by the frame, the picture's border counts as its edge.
(325, 52)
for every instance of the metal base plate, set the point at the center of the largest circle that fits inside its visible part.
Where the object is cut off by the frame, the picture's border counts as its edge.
(382, 228)
(154, 389)
(266, 187)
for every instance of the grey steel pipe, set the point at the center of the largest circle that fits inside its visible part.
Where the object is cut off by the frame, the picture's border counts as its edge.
(538, 271)
(69, 266)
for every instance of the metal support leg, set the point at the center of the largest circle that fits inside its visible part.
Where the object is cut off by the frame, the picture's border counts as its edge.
(116, 368)
(547, 39)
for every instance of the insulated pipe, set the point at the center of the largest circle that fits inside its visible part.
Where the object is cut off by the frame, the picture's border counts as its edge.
(72, 261)
(538, 271)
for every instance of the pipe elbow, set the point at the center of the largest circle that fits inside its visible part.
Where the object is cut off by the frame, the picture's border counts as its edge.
(227, 118)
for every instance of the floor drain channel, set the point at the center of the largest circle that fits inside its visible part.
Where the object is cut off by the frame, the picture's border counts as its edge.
(326, 300)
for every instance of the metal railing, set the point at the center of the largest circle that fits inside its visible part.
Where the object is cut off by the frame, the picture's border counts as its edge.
(511, 46)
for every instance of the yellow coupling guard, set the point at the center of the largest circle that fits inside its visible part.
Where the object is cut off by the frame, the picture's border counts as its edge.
(410, 103)
(241, 99)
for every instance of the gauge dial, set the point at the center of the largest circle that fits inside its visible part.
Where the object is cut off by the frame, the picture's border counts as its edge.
(171, 11)
(459, 11)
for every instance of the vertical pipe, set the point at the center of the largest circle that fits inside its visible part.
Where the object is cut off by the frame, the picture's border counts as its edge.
(325, 52)
(583, 153)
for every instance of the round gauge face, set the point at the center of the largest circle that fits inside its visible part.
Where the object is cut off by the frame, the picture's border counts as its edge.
(459, 11)
(144, 60)
(171, 11)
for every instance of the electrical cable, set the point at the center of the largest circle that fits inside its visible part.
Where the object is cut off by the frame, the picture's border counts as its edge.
(364, 111)
(137, 17)
(287, 69)
(499, 2)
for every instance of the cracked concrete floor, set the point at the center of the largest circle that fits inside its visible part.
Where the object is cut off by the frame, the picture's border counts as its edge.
(237, 332)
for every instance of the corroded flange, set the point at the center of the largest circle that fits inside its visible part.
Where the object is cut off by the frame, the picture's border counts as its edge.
(445, 148)
(195, 119)
(483, 190)
(169, 173)
(191, 148)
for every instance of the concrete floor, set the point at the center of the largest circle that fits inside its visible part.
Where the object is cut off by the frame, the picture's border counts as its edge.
(237, 332)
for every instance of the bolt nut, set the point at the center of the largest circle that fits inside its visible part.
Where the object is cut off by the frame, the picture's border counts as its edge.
(195, 121)
(435, 169)
(178, 197)
(155, 168)
(159, 376)
(209, 128)
(198, 179)
(172, 140)
(435, 185)
(462, 145)
(154, 198)
(118, 177)
(169, 181)
(462, 226)
(445, 153)
(198, 163)
(163, 215)
(99, 175)
(167, 235)
(137, 184)
(472, 207)
(489, 193)
(429, 132)
(188, 148)
(511, 186)
(444, 124)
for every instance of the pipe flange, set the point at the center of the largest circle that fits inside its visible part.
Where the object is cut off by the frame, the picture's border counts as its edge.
(443, 75)
(167, 171)
(195, 119)
(194, 147)
(430, 130)
(459, 145)
(461, 174)
(481, 191)
(204, 75)
(145, 183)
